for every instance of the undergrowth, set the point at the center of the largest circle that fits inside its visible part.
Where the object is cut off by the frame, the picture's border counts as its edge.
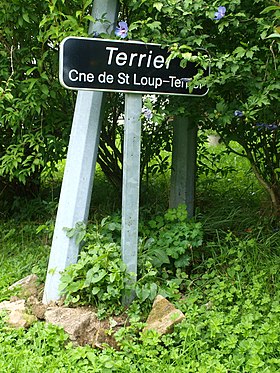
(221, 269)
(232, 324)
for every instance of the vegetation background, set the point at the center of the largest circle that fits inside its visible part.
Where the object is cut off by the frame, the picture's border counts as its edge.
(221, 268)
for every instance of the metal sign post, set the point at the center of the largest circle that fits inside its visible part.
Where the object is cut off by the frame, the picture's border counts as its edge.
(131, 182)
(97, 66)
(78, 176)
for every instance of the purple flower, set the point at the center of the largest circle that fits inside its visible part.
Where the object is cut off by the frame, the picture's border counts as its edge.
(122, 30)
(147, 113)
(238, 113)
(220, 13)
(270, 127)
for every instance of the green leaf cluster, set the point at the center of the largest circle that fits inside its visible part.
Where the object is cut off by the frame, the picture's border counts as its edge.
(244, 58)
(98, 278)
(172, 239)
(35, 110)
(167, 246)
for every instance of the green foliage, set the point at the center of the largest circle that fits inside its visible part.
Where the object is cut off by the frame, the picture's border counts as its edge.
(78, 232)
(232, 324)
(232, 319)
(29, 351)
(229, 303)
(231, 201)
(244, 50)
(34, 109)
(171, 239)
(45, 348)
(99, 276)
(230, 295)
(156, 137)
(210, 158)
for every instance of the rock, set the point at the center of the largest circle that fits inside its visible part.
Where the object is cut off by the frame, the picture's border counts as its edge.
(17, 314)
(81, 323)
(18, 305)
(16, 319)
(83, 326)
(36, 307)
(28, 286)
(163, 316)
(19, 319)
(73, 320)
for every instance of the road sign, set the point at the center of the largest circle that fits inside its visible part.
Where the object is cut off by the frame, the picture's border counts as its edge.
(111, 65)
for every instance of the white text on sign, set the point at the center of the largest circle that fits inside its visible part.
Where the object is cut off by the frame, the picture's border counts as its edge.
(124, 78)
(135, 59)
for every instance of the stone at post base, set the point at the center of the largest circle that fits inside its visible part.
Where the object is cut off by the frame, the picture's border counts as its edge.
(163, 316)
(83, 326)
(28, 286)
(17, 315)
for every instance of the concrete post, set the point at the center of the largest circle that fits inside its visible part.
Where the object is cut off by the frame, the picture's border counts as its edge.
(183, 164)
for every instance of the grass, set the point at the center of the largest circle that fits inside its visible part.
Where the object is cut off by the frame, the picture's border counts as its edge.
(235, 201)
(231, 297)
(22, 253)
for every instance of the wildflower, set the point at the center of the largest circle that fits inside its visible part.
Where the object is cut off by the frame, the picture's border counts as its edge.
(270, 127)
(147, 113)
(220, 13)
(122, 30)
(238, 113)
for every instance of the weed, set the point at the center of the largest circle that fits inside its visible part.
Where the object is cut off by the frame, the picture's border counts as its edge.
(230, 293)
(98, 278)
(171, 239)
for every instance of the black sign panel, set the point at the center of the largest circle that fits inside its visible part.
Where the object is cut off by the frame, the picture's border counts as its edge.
(110, 65)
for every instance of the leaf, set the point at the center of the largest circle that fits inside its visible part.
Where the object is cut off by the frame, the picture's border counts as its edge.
(45, 89)
(272, 36)
(98, 277)
(144, 294)
(269, 9)
(70, 232)
(75, 286)
(112, 277)
(240, 52)
(159, 257)
(249, 54)
(153, 290)
(95, 290)
(158, 6)
(234, 68)
(182, 261)
(25, 16)
(29, 71)
(87, 3)
(79, 237)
